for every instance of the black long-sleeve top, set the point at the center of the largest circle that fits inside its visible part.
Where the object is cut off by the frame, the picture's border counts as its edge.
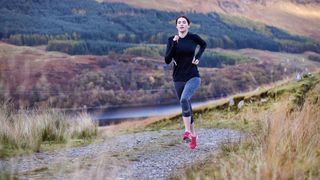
(183, 53)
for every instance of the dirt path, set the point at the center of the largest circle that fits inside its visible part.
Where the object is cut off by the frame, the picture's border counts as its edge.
(145, 155)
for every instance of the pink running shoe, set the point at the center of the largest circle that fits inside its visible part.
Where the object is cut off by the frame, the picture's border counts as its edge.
(187, 137)
(193, 142)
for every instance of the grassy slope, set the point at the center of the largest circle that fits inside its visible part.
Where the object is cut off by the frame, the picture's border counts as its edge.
(283, 128)
(283, 14)
(220, 115)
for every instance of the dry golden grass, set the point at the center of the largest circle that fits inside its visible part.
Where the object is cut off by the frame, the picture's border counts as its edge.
(25, 131)
(308, 11)
(287, 149)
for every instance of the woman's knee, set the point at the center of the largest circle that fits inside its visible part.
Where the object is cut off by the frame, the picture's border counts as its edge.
(186, 111)
(184, 103)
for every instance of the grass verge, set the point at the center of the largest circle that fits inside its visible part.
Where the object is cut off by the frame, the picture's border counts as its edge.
(32, 131)
(285, 144)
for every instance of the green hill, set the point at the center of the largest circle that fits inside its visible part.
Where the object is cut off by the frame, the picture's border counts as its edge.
(89, 27)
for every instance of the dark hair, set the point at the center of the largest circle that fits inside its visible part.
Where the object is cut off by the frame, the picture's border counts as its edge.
(184, 18)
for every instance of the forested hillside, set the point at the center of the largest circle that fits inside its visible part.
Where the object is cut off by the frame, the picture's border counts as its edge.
(89, 27)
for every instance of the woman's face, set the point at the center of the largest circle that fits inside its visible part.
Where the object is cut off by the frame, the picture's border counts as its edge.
(182, 25)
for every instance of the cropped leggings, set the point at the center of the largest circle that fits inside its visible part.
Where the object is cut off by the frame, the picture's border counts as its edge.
(184, 91)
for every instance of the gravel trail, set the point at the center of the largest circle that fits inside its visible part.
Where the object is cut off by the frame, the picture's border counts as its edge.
(144, 155)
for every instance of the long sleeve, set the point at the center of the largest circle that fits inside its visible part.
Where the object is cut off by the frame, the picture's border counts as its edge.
(202, 45)
(170, 50)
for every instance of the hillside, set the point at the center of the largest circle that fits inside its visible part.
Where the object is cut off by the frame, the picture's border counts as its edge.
(274, 135)
(87, 27)
(285, 14)
(31, 76)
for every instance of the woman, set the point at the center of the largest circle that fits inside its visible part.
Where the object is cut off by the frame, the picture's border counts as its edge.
(181, 51)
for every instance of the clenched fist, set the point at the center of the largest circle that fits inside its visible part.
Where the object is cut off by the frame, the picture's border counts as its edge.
(176, 38)
(195, 61)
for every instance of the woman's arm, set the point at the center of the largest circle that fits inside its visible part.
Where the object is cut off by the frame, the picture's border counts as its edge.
(170, 50)
(202, 45)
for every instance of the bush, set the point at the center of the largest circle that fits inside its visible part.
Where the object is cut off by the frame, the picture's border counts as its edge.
(141, 51)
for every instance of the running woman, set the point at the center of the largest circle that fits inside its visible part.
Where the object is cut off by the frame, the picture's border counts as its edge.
(181, 51)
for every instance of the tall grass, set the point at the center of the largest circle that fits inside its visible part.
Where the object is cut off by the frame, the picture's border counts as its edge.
(27, 130)
(286, 146)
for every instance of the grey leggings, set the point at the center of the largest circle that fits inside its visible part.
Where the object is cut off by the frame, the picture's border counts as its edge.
(184, 91)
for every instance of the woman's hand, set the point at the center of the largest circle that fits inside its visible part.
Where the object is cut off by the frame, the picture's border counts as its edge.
(195, 61)
(176, 38)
